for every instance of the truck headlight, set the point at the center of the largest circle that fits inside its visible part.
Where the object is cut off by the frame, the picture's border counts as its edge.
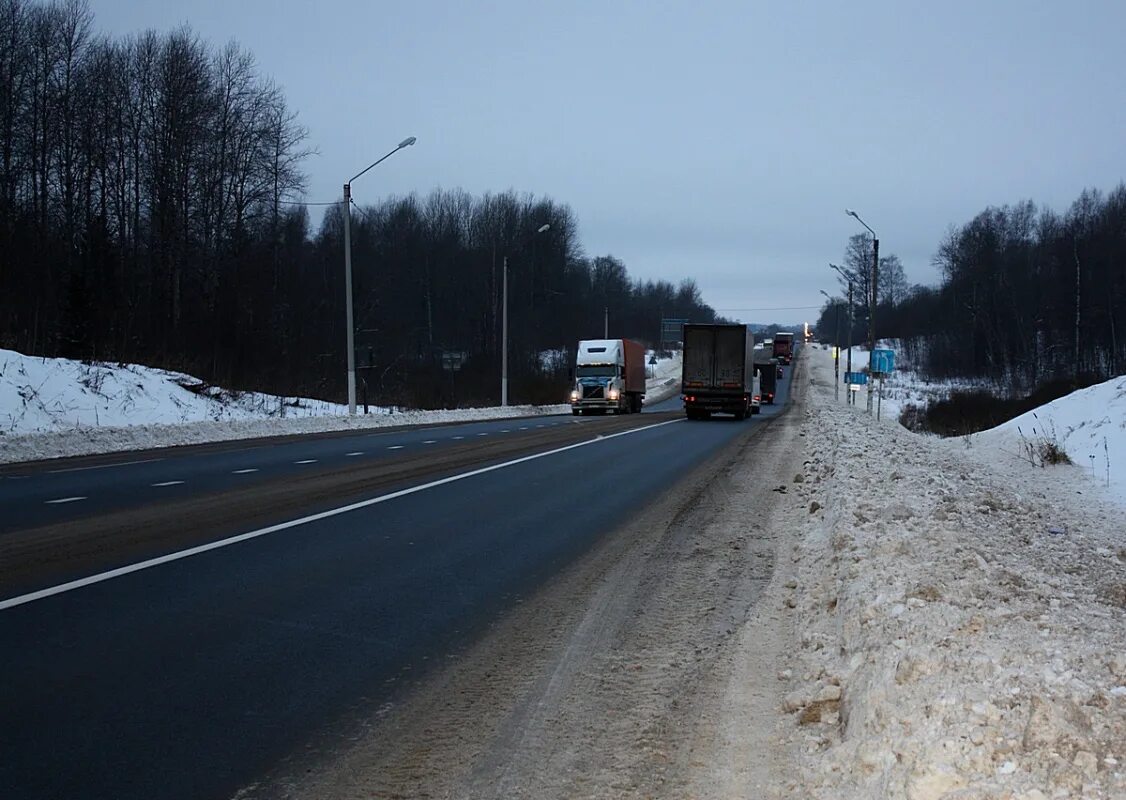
(613, 394)
(574, 395)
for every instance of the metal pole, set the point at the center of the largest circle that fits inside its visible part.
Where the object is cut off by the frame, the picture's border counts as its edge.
(837, 356)
(606, 322)
(504, 336)
(849, 338)
(880, 402)
(348, 300)
(872, 315)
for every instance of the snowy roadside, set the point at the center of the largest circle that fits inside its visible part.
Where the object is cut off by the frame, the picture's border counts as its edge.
(959, 619)
(60, 408)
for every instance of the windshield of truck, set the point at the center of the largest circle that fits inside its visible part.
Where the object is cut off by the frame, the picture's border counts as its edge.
(596, 371)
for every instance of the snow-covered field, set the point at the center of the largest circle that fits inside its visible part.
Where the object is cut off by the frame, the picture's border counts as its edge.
(55, 407)
(958, 615)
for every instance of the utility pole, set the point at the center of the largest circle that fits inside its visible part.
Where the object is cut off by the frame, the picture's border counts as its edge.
(872, 316)
(348, 274)
(850, 398)
(1075, 250)
(871, 299)
(504, 334)
(848, 276)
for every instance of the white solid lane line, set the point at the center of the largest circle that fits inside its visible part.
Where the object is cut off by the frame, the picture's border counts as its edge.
(63, 500)
(306, 461)
(242, 537)
(246, 471)
(166, 483)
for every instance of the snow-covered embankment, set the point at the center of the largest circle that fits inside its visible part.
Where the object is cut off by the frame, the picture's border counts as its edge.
(959, 619)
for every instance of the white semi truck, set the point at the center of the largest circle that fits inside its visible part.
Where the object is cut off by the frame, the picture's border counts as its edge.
(609, 376)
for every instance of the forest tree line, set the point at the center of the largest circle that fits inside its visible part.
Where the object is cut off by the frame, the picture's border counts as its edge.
(151, 211)
(1027, 296)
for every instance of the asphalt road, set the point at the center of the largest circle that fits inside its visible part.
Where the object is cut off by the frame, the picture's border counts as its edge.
(189, 678)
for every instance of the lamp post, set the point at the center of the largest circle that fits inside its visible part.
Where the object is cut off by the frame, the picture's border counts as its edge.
(836, 347)
(848, 338)
(871, 298)
(504, 319)
(348, 275)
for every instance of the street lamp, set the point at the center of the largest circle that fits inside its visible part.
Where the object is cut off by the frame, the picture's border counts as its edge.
(848, 276)
(872, 296)
(836, 346)
(348, 274)
(504, 320)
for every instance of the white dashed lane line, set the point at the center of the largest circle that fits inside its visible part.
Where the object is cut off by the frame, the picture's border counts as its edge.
(64, 500)
(166, 483)
(431, 441)
(355, 453)
(482, 434)
(306, 461)
(395, 447)
(457, 437)
(246, 471)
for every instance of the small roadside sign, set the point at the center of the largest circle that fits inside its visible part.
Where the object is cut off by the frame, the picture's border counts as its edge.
(882, 361)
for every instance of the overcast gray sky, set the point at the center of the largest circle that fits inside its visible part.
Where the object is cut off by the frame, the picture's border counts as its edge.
(716, 140)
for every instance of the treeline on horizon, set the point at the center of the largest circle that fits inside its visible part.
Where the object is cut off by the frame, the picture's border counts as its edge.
(150, 212)
(1028, 296)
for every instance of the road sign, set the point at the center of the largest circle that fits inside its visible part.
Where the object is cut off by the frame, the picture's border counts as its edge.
(882, 361)
(858, 378)
(671, 330)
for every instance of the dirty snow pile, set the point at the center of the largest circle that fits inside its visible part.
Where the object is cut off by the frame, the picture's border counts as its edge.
(57, 407)
(959, 619)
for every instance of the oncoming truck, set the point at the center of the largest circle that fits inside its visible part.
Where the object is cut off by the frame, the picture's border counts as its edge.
(718, 370)
(609, 376)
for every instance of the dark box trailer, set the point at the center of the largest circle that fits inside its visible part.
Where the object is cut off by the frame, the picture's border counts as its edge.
(718, 370)
(768, 379)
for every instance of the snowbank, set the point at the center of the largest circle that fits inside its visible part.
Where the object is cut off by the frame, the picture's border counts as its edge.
(39, 395)
(959, 617)
(56, 407)
(1090, 426)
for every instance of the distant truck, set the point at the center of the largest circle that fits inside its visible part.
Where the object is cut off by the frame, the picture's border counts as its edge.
(767, 369)
(609, 376)
(784, 347)
(717, 370)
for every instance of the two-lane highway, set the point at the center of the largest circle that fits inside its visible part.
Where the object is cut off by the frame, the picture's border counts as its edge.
(191, 675)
